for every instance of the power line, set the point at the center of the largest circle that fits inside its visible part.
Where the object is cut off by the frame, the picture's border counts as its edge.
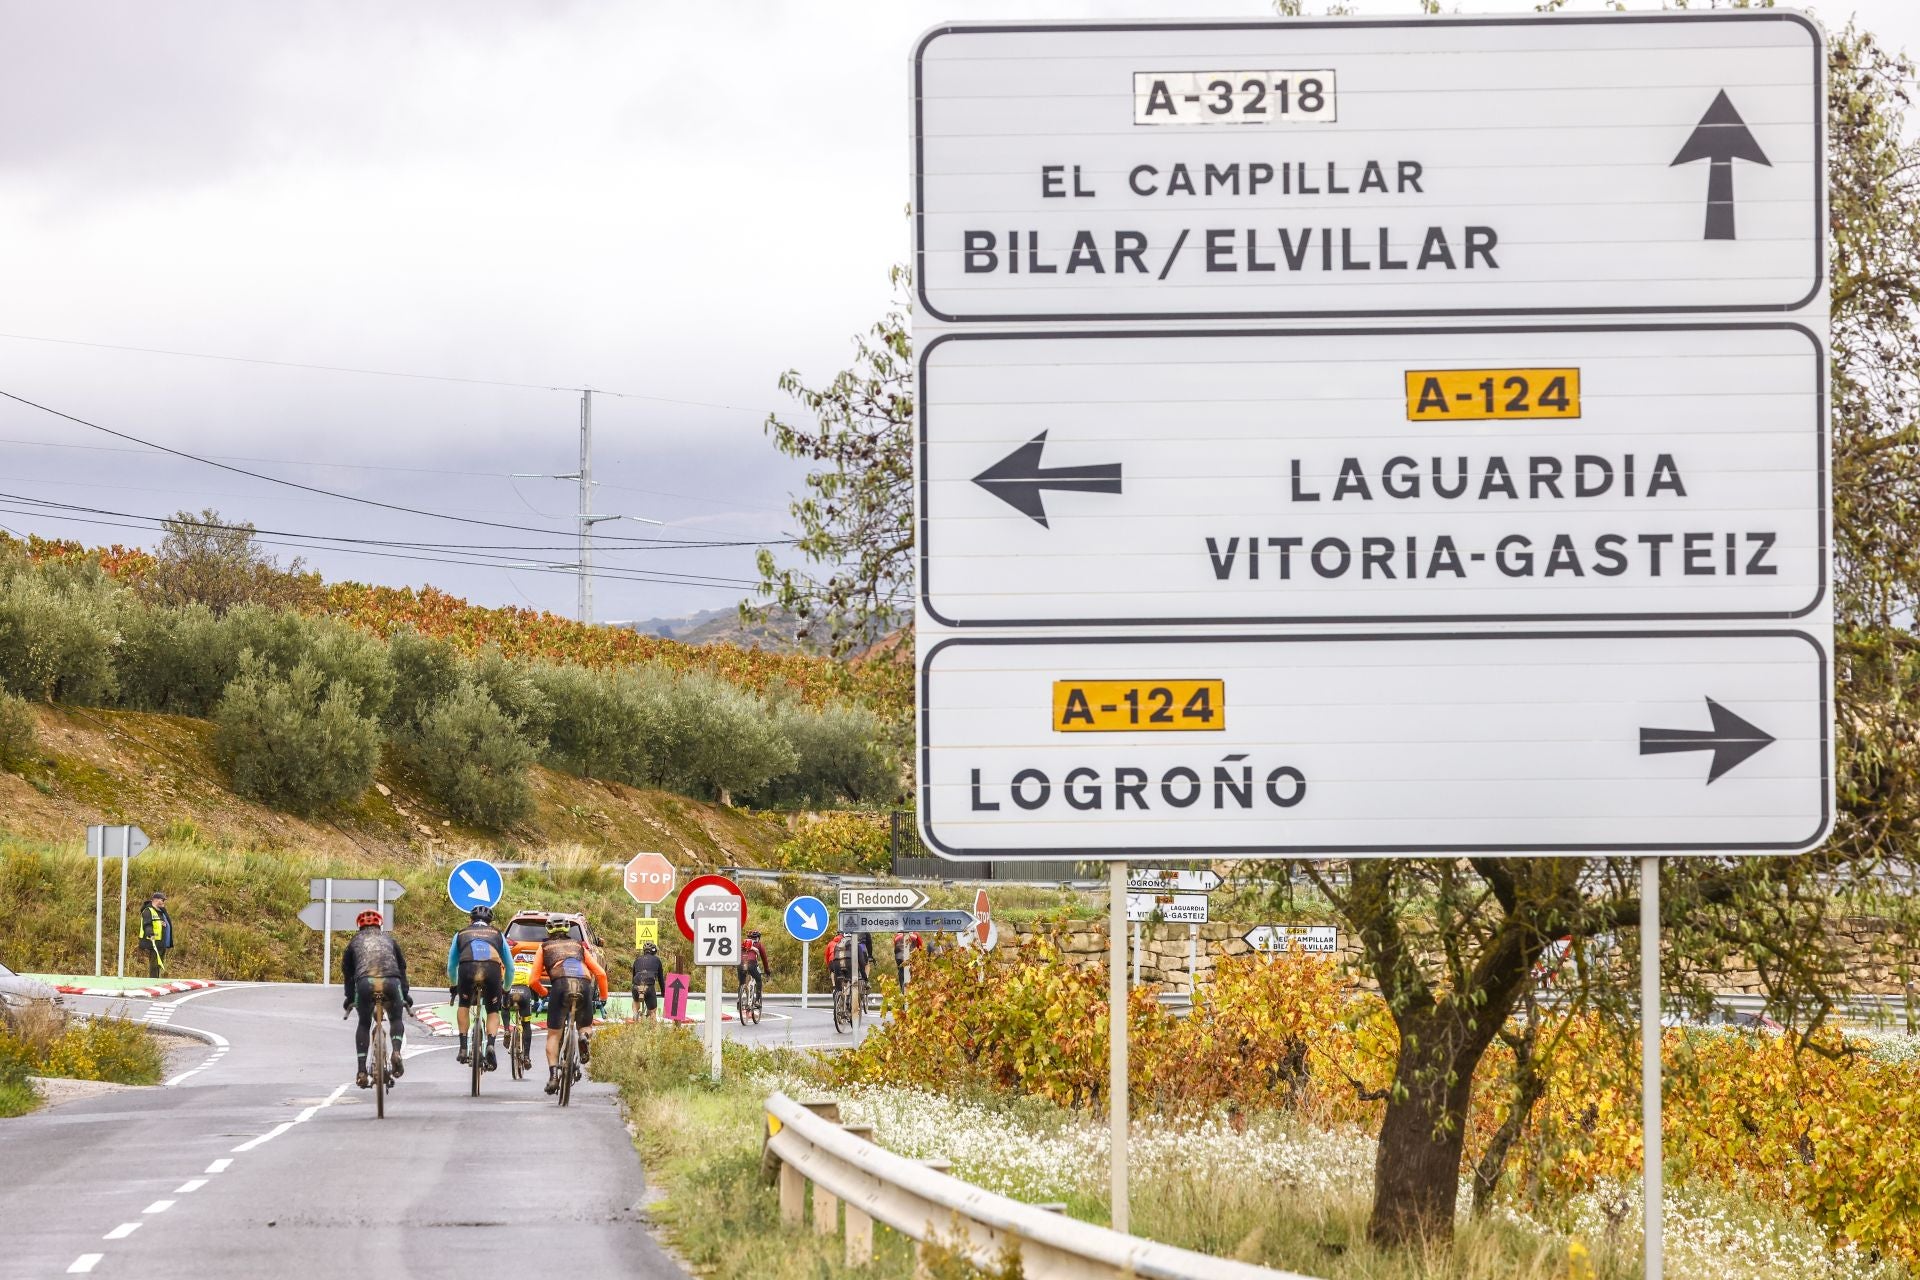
(375, 373)
(661, 578)
(291, 484)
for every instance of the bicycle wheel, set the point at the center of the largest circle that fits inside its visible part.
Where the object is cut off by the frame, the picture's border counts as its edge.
(511, 1025)
(477, 1046)
(842, 1008)
(569, 1059)
(377, 1061)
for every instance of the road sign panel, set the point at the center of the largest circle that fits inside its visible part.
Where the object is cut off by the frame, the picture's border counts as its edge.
(806, 918)
(1317, 939)
(905, 921)
(344, 918)
(1294, 477)
(475, 883)
(716, 921)
(1172, 908)
(646, 929)
(701, 889)
(881, 899)
(1417, 167)
(1535, 742)
(648, 878)
(115, 841)
(1167, 880)
(356, 890)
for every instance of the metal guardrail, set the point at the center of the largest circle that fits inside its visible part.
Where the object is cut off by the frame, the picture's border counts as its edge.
(922, 1202)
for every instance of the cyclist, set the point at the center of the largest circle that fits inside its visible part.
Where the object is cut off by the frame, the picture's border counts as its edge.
(904, 945)
(373, 953)
(566, 968)
(843, 953)
(649, 979)
(753, 962)
(480, 971)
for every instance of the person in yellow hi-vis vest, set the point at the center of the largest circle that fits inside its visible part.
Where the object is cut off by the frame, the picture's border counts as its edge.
(156, 933)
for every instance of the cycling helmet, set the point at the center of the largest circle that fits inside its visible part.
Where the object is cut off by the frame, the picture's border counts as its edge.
(559, 929)
(481, 915)
(368, 919)
(649, 948)
(754, 934)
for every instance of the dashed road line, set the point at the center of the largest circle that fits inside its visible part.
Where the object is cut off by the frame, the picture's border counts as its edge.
(220, 1046)
(188, 1187)
(84, 1263)
(285, 1125)
(219, 1166)
(122, 1231)
(158, 1206)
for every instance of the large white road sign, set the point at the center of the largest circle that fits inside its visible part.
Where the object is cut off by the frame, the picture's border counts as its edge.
(1426, 166)
(1489, 473)
(1509, 742)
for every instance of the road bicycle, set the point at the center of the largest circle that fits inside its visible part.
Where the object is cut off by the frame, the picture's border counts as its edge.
(477, 1043)
(747, 1003)
(379, 1049)
(516, 1037)
(842, 1005)
(569, 1048)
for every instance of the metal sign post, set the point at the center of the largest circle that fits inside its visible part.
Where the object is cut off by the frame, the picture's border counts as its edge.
(1652, 1171)
(126, 855)
(326, 935)
(1117, 1099)
(96, 841)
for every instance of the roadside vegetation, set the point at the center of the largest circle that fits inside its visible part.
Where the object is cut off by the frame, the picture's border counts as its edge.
(309, 693)
(1284, 1070)
(38, 1040)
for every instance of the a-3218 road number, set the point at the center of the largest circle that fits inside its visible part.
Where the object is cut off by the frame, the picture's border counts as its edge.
(1119, 706)
(1233, 97)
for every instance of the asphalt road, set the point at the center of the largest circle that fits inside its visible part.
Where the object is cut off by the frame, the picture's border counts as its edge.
(261, 1158)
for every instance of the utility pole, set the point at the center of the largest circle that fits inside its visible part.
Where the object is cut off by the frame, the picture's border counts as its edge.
(586, 516)
(586, 507)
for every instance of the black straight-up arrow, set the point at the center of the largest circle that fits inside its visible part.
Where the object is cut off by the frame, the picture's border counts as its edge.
(1731, 740)
(1018, 478)
(1721, 137)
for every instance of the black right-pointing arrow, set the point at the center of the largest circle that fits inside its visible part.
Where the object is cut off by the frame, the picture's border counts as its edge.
(1731, 740)
(1721, 137)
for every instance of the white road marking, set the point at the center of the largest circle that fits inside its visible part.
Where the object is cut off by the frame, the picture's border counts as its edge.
(122, 1231)
(268, 1136)
(219, 1166)
(190, 1186)
(158, 1206)
(220, 1046)
(84, 1263)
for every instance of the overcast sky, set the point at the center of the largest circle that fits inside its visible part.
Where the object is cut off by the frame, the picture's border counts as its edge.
(675, 202)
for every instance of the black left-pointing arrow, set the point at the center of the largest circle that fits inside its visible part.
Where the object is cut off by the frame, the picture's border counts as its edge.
(1018, 478)
(1731, 740)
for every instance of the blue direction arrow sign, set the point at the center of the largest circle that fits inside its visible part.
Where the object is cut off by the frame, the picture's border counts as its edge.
(474, 883)
(806, 918)
(905, 921)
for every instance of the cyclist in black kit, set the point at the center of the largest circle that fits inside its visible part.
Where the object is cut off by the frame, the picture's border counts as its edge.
(649, 980)
(480, 971)
(372, 954)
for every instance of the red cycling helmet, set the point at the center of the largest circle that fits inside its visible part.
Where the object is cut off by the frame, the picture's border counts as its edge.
(366, 918)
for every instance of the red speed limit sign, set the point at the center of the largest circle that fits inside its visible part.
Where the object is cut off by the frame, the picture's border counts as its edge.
(649, 878)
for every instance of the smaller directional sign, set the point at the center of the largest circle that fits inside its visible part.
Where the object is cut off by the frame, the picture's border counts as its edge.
(356, 890)
(344, 917)
(1318, 939)
(1167, 880)
(881, 899)
(115, 842)
(1171, 908)
(905, 921)
(806, 918)
(474, 883)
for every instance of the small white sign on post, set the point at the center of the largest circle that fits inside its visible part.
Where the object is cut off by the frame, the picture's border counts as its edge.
(1172, 908)
(1315, 939)
(881, 899)
(716, 946)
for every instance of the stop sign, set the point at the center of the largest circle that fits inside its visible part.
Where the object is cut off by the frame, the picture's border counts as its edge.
(649, 878)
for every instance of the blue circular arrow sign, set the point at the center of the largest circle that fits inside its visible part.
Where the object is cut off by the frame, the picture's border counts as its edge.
(474, 883)
(806, 918)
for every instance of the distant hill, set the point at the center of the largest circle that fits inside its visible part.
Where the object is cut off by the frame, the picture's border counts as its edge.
(779, 634)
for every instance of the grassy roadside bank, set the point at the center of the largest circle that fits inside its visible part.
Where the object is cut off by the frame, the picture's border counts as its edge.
(45, 1042)
(1268, 1189)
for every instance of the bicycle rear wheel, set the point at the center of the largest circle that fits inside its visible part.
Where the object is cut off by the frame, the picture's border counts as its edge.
(569, 1060)
(842, 1008)
(477, 1046)
(377, 1062)
(513, 1028)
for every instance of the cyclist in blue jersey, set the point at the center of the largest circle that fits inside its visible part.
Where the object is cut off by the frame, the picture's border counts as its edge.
(480, 969)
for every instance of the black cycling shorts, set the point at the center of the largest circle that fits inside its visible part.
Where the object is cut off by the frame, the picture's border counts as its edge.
(479, 983)
(557, 991)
